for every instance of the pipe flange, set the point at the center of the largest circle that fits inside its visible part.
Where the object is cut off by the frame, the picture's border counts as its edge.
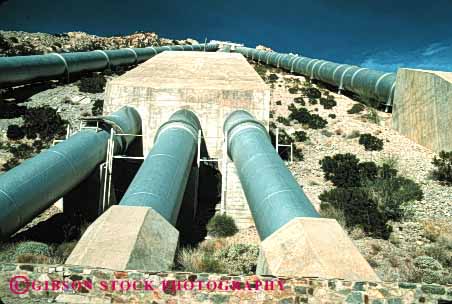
(66, 66)
(106, 57)
(341, 84)
(354, 75)
(320, 69)
(134, 54)
(379, 81)
(336, 69)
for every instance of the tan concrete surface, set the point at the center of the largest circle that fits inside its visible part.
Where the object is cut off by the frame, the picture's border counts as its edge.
(313, 247)
(422, 109)
(127, 238)
(210, 84)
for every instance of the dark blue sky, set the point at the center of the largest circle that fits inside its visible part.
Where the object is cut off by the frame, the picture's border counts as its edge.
(381, 34)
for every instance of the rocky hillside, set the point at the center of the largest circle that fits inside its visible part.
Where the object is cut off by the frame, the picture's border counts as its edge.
(21, 43)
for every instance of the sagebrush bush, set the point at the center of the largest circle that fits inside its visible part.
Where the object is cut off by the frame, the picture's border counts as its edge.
(342, 170)
(219, 256)
(283, 120)
(195, 260)
(93, 84)
(98, 107)
(300, 136)
(303, 116)
(240, 258)
(272, 77)
(312, 92)
(33, 248)
(312, 101)
(299, 100)
(222, 225)
(356, 108)
(369, 195)
(443, 164)
(328, 103)
(278, 103)
(332, 116)
(44, 122)
(370, 142)
(15, 132)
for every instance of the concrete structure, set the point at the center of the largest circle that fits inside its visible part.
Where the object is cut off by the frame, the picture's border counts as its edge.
(422, 108)
(210, 84)
(121, 239)
(313, 247)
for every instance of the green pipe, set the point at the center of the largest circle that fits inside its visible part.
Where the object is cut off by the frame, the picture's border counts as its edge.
(20, 70)
(34, 185)
(274, 196)
(161, 180)
(365, 82)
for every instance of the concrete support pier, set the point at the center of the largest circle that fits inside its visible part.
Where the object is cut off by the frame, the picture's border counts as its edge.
(212, 85)
(422, 109)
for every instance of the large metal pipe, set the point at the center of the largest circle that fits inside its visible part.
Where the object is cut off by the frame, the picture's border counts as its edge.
(274, 196)
(161, 180)
(363, 81)
(31, 187)
(19, 70)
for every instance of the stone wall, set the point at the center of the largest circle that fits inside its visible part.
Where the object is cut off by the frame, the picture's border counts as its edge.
(96, 286)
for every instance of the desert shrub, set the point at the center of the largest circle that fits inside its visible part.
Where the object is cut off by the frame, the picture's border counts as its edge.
(93, 84)
(196, 260)
(272, 77)
(441, 249)
(372, 116)
(292, 107)
(329, 211)
(300, 136)
(283, 120)
(32, 258)
(15, 132)
(298, 154)
(63, 250)
(11, 110)
(328, 103)
(284, 138)
(356, 108)
(278, 103)
(353, 134)
(332, 116)
(299, 100)
(341, 169)
(222, 225)
(294, 90)
(312, 101)
(312, 92)
(98, 107)
(370, 142)
(427, 269)
(33, 248)
(22, 151)
(369, 195)
(240, 258)
(44, 122)
(326, 133)
(443, 164)
(358, 209)
(303, 116)
(10, 163)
